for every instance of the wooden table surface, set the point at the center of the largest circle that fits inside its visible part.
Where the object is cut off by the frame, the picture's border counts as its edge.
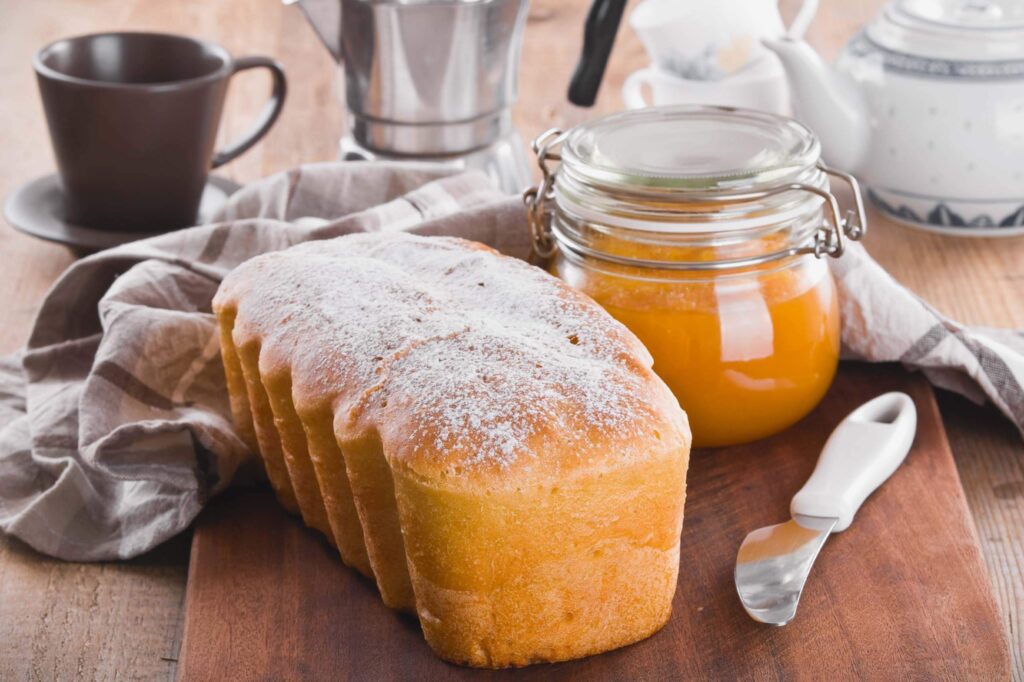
(86, 621)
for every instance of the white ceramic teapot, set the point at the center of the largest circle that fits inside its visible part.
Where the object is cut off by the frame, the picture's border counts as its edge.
(926, 105)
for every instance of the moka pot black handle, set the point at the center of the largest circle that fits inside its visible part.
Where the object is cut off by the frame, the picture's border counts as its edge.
(599, 32)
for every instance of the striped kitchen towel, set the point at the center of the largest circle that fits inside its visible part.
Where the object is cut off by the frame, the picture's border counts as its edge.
(114, 422)
(884, 322)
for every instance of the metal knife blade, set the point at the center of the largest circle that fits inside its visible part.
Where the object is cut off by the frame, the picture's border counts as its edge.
(773, 564)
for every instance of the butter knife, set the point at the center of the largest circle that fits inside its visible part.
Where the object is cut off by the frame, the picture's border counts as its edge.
(864, 450)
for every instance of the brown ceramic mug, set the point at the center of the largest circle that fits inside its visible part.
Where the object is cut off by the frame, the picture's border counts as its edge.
(133, 119)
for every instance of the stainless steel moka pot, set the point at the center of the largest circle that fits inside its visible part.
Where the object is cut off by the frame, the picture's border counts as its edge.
(429, 80)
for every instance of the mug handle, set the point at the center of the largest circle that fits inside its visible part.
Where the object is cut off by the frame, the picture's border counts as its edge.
(802, 20)
(267, 116)
(632, 89)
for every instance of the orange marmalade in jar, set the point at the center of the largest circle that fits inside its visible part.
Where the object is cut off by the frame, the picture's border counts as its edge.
(704, 230)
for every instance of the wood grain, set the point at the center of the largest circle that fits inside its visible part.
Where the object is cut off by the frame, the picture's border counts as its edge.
(50, 603)
(268, 599)
(64, 621)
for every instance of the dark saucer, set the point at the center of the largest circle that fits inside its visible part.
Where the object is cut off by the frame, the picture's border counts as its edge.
(36, 208)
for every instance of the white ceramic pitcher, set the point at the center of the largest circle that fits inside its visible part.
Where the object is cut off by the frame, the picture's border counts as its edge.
(711, 39)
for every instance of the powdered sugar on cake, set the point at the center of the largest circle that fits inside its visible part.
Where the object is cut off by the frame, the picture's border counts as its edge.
(492, 357)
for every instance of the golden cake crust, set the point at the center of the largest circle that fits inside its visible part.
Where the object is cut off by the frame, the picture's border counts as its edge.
(482, 439)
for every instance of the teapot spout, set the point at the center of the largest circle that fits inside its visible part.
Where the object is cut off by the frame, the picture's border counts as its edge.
(828, 101)
(325, 18)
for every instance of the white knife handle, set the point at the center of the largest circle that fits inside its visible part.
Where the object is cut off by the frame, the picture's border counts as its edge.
(863, 451)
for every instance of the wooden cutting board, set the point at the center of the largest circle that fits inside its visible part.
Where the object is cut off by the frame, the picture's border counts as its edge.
(903, 594)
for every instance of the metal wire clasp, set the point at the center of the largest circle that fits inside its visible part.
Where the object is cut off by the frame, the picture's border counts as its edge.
(535, 198)
(854, 225)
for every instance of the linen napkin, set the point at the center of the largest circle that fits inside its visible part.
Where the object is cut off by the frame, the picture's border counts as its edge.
(114, 421)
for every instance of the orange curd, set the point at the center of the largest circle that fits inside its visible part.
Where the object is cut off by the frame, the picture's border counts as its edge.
(746, 354)
(713, 255)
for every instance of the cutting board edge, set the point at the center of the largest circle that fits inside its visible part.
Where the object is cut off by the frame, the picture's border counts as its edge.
(972, 527)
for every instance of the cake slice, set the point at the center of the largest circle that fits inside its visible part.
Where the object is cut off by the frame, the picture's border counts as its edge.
(482, 440)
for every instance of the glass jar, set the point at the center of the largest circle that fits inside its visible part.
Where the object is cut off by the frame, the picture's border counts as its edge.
(703, 230)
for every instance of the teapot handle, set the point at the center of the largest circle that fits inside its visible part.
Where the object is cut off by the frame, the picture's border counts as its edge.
(803, 19)
(599, 31)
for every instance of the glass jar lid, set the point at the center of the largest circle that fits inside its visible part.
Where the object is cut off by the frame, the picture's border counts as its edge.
(686, 149)
(689, 172)
(956, 30)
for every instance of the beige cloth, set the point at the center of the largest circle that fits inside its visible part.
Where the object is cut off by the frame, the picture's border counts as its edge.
(114, 422)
